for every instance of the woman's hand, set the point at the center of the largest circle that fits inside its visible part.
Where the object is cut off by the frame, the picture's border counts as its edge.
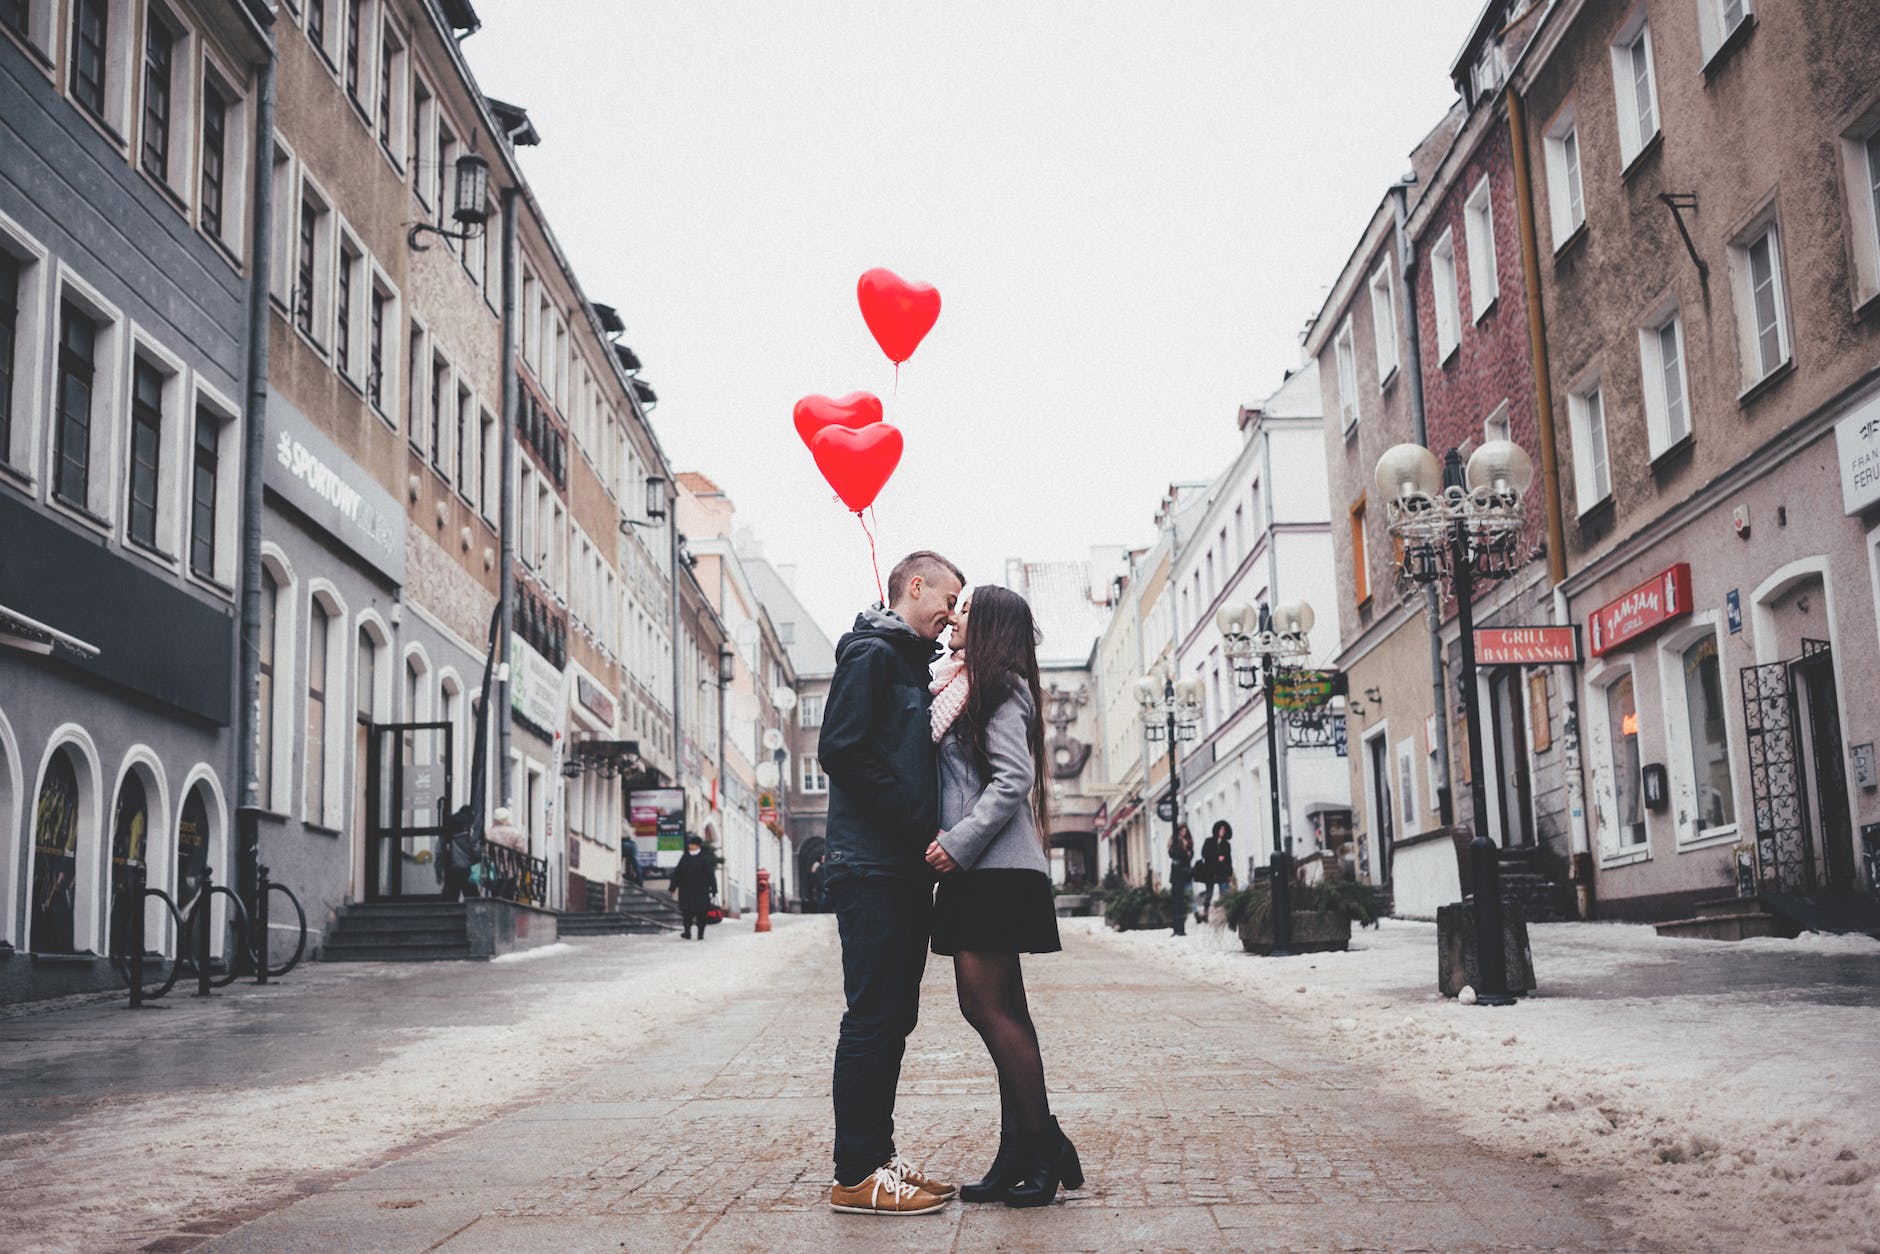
(940, 860)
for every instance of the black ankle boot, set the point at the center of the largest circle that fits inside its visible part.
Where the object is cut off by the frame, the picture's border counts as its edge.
(1050, 1160)
(1008, 1168)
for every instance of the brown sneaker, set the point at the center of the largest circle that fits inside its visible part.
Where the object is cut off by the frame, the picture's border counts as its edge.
(920, 1179)
(884, 1192)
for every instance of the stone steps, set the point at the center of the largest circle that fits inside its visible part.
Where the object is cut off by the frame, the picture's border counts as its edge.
(398, 931)
(1729, 919)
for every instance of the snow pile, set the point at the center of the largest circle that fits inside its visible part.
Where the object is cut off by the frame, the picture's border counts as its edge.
(1718, 1116)
(540, 951)
(78, 1181)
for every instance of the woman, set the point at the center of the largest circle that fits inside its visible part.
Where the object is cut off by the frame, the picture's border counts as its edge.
(995, 901)
(1181, 877)
(1217, 853)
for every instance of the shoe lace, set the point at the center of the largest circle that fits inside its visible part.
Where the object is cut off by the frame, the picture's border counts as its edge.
(891, 1179)
(904, 1169)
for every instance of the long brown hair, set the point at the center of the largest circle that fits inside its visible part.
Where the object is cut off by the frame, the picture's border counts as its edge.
(1002, 658)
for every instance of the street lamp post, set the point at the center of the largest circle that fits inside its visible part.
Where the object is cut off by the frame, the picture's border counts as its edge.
(1269, 635)
(1170, 711)
(1464, 525)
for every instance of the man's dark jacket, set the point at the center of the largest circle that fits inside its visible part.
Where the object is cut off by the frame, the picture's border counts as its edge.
(877, 749)
(694, 880)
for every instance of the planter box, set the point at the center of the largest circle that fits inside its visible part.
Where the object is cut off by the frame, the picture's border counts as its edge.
(1455, 948)
(1313, 932)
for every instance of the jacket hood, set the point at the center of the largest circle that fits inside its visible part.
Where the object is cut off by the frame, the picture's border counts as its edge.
(876, 623)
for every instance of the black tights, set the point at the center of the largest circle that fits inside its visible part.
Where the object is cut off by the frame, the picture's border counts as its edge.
(992, 997)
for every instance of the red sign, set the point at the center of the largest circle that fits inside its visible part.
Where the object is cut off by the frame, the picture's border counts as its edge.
(1527, 646)
(1663, 597)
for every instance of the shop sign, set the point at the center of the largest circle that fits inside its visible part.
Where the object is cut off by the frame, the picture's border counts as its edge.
(657, 817)
(1527, 646)
(595, 698)
(312, 474)
(1857, 450)
(1663, 597)
(1302, 690)
(534, 685)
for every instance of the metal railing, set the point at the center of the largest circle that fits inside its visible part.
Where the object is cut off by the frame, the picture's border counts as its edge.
(512, 875)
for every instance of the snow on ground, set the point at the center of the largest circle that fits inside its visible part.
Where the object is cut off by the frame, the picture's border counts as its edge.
(81, 1182)
(540, 951)
(1718, 1116)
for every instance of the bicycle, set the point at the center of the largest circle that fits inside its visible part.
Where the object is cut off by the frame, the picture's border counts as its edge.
(186, 954)
(264, 920)
(164, 970)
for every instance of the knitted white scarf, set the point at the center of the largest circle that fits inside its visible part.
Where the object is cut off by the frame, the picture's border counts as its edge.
(949, 693)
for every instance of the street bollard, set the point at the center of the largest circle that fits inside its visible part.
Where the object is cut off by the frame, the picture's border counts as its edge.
(763, 901)
(203, 911)
(134, 937)
(258, 925)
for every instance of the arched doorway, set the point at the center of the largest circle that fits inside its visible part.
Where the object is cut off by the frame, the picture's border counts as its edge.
(130, 831)
(55, 858)
(192, 847)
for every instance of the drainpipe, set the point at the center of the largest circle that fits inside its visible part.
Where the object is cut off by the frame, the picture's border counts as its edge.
(1581, 866)
(506, 525)
(254, 453)
(1432, 596)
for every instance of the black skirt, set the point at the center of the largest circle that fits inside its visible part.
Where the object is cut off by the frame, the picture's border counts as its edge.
(999, 910)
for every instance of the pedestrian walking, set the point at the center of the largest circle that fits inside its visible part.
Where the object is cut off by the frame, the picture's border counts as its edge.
(458, 853)
(1217, 856)
(877, 750)
(994, 900)
(1181, 878)
(695, 882)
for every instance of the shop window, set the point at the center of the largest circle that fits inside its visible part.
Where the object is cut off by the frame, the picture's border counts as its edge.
(55, 858)
(319, 632)
(1622, 733)
(269, 648)
(1709, 738)
(192, 848)
(130, 827)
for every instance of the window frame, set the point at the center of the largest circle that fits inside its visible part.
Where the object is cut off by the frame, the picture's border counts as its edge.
(110, 379)
(1586, 471)
(1681, 742)
(1860, 169)
(231, 233)
(321, 269)
(336, 710)
(1345, 362)
(813, 781)
(1565, 178)
(1633, 37)
(383, 318)
(1713, 37)
(182, 106)
(1478, 232)
(1446, 295)
(225, 511)
(162, 548)
(120, 63)
(1383, 288)
(1615, 849)
(40, 36)
(34, 321)
(392, 109)
(1750, 331)
(1660, 435)
(1360, 553)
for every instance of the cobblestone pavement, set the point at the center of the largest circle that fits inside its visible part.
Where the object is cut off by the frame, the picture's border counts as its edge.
(1200, 1127)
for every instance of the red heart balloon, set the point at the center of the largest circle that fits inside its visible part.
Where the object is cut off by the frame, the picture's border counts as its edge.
(813, 413)
(857, 462)
(899, 313)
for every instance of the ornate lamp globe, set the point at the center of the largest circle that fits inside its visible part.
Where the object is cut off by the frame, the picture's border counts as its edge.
(1407, 470)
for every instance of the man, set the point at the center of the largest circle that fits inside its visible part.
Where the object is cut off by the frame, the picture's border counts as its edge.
(695, 882)
(884, 808)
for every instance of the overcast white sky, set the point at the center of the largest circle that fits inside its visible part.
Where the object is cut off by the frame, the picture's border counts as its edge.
(1129, 209)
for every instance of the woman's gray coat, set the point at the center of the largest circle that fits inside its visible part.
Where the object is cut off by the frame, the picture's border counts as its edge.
(989, 823)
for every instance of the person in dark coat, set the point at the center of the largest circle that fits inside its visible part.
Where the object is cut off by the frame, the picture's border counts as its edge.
(876, 747)
(1181, 878)
(695, 883)
(1217, 853)
(460, 851)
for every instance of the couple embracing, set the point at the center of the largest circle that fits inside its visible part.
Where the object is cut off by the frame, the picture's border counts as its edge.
(934, 758)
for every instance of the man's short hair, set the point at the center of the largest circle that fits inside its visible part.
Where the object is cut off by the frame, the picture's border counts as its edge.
(924, 564)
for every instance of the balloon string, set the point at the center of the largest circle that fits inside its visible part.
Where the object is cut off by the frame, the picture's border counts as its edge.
(873, 560)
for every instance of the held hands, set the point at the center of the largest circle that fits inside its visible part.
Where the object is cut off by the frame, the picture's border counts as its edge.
(940, 860)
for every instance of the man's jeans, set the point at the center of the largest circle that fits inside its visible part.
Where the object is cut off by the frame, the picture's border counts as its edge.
(884, 924)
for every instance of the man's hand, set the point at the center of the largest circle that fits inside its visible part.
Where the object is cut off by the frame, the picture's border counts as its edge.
(940, 860)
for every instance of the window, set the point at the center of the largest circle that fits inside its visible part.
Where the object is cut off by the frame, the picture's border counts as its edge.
(146, 452)
(78, 351)
(351, 264)
(1478, 233)
(445, 150)
(1717, 20)
(13, 15)
(1764, 331)
(1633, 88)
(375, 376)
(1360, 556)
(91, 34)
(1443, 279)
(215, 145)
(160, 49)
(387, 52)
(1709, 738)
(354, 19)
(319, 625)
(204, 478)
(1592, 477)
(492, 468)
(414, 388)
(312, 297)
(1661, 356)
(285, 227)
(1240, 532)
(422, 156)
(264, 724)
(809, 710)
(1347, 359)
(317, 27)
(1566, 205)
(440, 397)
(1622, 728)
(814, 781)
(1860, 169)
(467, 446)
(11, 271)
(1384, 321)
